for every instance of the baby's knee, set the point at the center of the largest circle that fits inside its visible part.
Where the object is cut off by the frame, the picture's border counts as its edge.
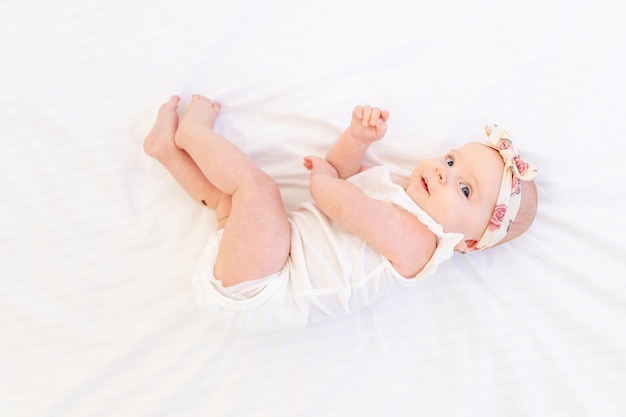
(260, 181)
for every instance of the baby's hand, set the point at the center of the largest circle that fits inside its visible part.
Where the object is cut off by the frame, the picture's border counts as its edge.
(318, 165)
(368, 124)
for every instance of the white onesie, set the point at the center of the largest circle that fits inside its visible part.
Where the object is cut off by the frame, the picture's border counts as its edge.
(329, 271)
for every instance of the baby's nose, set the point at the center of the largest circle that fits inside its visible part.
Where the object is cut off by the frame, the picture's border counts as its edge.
(441, 174)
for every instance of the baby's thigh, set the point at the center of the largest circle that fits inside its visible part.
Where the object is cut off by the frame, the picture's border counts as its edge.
(256, 238)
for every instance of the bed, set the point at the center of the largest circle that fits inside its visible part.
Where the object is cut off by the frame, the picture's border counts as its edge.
(98, 243)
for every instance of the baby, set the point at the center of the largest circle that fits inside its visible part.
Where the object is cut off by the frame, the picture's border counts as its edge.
(366, 232)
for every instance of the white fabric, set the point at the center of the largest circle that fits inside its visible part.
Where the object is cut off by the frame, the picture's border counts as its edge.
(329, 272)
(98, 243)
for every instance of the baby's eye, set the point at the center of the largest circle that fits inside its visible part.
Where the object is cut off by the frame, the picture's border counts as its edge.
(449, 161)
(465, 190)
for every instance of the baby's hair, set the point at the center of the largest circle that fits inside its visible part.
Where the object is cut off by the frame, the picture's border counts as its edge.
(526, 214)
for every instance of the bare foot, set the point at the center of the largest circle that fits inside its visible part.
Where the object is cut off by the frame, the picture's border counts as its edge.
(161, 136)
(201, 113)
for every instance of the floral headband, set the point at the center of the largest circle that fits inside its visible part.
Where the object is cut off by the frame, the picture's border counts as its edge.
(510, 194)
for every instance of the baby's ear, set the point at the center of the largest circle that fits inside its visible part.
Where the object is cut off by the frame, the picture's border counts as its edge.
(466, 246)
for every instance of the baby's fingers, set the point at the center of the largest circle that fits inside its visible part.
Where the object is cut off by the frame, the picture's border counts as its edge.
(311, 161)
(367, 115)
(374, 116)
(371, 116)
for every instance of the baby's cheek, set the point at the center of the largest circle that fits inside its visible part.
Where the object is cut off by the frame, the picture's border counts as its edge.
(453, 219)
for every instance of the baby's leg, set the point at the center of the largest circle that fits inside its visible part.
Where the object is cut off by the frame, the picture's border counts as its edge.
(160, 145)
(256, 239)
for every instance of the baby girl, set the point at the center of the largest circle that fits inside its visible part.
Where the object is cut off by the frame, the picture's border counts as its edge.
(366, 232)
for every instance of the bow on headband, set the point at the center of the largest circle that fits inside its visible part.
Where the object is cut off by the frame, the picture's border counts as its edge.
(499, 140)
(510, 194)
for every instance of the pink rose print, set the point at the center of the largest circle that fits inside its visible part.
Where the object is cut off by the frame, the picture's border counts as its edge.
(504, 144)
(497, 217)
(522, 166)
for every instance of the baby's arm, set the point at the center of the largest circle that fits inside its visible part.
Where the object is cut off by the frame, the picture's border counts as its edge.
(395, 233)
(368, 125)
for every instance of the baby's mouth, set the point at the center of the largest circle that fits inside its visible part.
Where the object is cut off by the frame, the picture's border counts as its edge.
(425, 185)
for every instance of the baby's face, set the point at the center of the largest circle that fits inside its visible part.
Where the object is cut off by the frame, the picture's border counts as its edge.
(459, 189)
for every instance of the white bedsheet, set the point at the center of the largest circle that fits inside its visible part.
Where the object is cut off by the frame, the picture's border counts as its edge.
(98, 243)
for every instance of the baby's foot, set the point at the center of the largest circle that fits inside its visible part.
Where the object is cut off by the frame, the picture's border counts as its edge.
(201, 113)
(161, 136)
